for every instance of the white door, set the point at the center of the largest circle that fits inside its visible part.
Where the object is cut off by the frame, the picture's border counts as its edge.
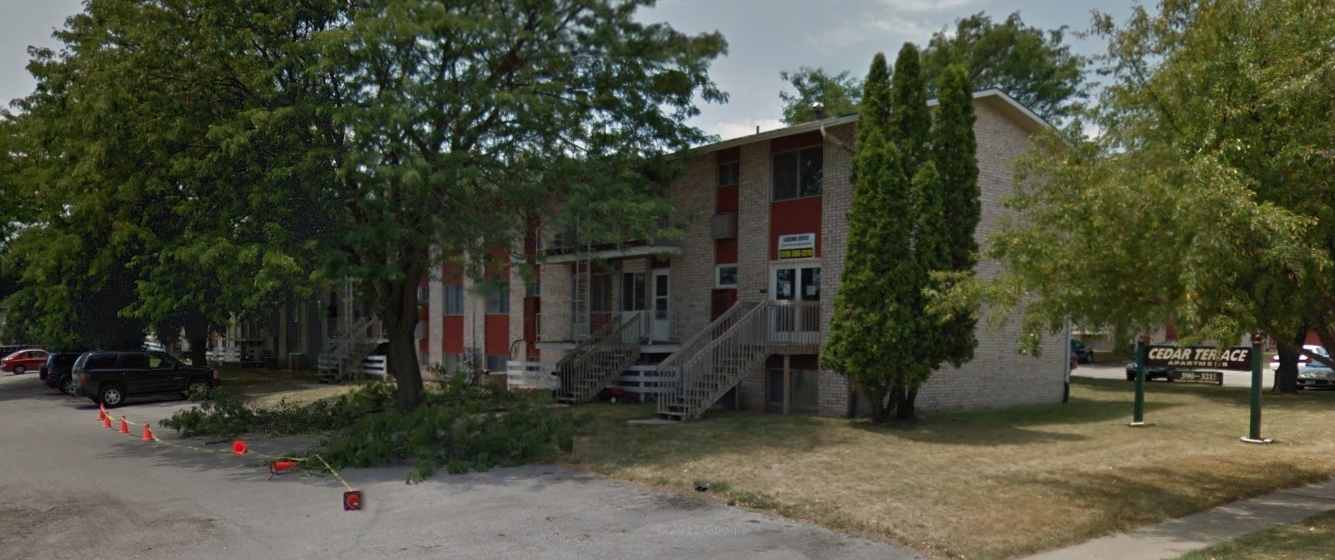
(799, 284)
(661, 323)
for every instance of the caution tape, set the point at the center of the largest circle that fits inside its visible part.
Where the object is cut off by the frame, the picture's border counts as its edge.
(148, 434)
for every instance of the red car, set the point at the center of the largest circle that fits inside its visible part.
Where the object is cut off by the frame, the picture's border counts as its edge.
(24, 360)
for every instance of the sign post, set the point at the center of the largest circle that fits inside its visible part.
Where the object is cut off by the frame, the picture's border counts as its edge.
(1254, 434)
(1138, 411)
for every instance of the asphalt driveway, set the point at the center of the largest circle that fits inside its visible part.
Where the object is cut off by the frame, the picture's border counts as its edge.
(74, 490)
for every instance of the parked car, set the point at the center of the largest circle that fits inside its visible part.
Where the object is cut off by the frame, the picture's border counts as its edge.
(109, 378)
(1082, 353)
(24, 361)
(1316, 374)
(58, 371)
(1150, 372)
(1303, 360)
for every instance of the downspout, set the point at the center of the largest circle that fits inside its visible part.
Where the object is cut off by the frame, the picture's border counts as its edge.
(836, 141)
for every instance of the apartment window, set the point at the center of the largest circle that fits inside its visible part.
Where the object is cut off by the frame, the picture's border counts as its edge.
(535, 288)
(726, 277)
(729, 173)
(632, 291)
(798, 173)
(496, 364)
(498, 301)
(600, 293)
(454, 300)
(803, 390)
(423, 294)
(451, 363)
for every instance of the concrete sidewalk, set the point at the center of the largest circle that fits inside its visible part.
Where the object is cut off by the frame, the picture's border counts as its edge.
(1177, 537)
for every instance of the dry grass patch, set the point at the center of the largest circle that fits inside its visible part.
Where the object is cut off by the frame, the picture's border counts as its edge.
(995, 484)
(1310, 539)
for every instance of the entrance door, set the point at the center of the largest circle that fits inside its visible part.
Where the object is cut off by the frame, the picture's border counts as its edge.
(800, 285)
(661, 319)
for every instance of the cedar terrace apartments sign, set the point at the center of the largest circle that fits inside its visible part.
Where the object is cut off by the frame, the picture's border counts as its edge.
(1238, 358)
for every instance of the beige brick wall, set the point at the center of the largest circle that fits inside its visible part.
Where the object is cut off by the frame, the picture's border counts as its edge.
(692, 277)
(998, 376)
(836, 201)
(753, 203)
(555, 303)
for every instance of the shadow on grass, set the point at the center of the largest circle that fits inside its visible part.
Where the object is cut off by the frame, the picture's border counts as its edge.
(1126, 501)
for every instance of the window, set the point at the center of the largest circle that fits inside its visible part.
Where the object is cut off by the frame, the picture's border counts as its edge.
(600, 293)
(101, 361)
(496, 364)
(454, 300)
(798, 173)
(158, 360)
(498, 301)
(726, 277)
(451, 363)
(803, 389)
(632, 291)
(535, 288)
(729, 173)
(424, 294)
(134, 361)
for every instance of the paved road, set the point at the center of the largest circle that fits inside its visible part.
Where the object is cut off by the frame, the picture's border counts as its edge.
(1118, 371)
(73, 490)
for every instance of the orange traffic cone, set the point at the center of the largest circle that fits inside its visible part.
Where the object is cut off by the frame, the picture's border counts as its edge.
(279, 466)
(238, 447)
(101, 413)
(125, 428)
(106, 421)
(148, 434)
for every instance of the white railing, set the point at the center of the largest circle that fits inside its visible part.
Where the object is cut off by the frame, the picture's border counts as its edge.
(696, 379)
(598, 360)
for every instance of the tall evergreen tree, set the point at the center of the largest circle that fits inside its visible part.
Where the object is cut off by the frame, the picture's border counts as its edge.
(955, 151)
(871, 329)
(910, 121)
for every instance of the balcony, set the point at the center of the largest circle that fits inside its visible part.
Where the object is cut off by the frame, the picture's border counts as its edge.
(563, 247)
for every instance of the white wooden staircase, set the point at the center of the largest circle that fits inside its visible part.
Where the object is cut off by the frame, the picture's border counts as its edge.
(596, 362)
(344, 358)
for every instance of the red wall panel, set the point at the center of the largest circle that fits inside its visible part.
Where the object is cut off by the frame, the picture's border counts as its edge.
(725, 251)
(498, 335)
(725, 201)
(794, 216)
(454, 334)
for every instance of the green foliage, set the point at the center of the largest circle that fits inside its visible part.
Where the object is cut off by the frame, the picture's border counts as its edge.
(871, 329)
(839, 93)
(955, 153)
(1206, 196)
(460, 427)
(889, 331)
(910, 120)
(464, 119)
(1032, 65)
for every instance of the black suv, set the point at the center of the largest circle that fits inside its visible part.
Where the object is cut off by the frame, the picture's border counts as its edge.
(108, 378)
(58, 371)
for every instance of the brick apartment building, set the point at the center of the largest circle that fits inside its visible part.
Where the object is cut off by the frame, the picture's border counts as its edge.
(733, 313)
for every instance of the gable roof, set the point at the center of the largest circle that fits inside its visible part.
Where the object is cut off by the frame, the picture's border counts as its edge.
(994, 98)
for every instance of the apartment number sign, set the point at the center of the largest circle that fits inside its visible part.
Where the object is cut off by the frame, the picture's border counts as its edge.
(797, 246)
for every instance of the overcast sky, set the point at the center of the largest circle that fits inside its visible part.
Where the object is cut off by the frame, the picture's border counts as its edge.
(764, 37)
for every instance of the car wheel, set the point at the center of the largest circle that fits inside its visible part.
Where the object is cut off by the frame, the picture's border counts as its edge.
(1130, 377)
(111, 395)
(197, 386)
(20, 370)
(68, 387)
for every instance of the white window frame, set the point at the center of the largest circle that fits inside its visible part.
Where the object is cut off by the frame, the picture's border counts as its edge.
(718, 277)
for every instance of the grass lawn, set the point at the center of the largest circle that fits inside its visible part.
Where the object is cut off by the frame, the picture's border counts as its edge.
(268, 387)
(995, 484)
(1310, 539)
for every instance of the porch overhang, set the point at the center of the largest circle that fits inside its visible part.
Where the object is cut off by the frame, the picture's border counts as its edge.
(613, 253)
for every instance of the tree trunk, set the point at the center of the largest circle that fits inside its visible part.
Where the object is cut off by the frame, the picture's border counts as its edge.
(1286, 377)
(904, 406)
(197, 334)
(399, 314)
(880, 413)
